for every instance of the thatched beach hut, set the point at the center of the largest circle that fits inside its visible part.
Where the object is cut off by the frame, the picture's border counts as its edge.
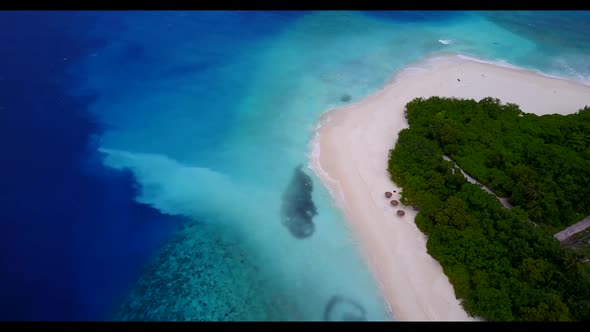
(388, 194)
(400, 213)
(394, 202)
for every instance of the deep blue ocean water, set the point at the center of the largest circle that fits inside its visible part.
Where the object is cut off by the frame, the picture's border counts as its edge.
(72, 238)
(145, 153)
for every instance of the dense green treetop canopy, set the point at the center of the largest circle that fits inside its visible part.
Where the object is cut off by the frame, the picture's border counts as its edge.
(501, 265)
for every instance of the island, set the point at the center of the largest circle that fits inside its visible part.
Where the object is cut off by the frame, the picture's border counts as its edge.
(504, 264)
(459, 253)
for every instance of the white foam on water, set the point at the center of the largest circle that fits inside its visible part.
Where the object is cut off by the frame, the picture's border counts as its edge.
(574, 77)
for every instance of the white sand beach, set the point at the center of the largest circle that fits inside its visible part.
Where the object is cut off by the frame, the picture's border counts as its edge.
(351, 152)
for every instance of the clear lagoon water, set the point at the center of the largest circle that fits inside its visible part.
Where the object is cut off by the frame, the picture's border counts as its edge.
(155, 163)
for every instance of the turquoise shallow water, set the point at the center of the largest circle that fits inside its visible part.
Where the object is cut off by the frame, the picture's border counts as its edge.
(213, 112)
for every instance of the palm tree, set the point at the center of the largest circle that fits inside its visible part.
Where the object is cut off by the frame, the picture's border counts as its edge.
(534, 210)
(534, 193)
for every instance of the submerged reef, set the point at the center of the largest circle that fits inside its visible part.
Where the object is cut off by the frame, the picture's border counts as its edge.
(298, 209)
(343, 309)
(345, 98)
(206, 273)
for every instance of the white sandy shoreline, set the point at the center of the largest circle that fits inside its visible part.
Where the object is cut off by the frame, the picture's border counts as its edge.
(354, 142)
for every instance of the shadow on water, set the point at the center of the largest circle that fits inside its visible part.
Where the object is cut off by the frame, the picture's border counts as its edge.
(298, 209)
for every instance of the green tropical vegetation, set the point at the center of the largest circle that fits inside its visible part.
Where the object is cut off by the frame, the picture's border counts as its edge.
(504, 264)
